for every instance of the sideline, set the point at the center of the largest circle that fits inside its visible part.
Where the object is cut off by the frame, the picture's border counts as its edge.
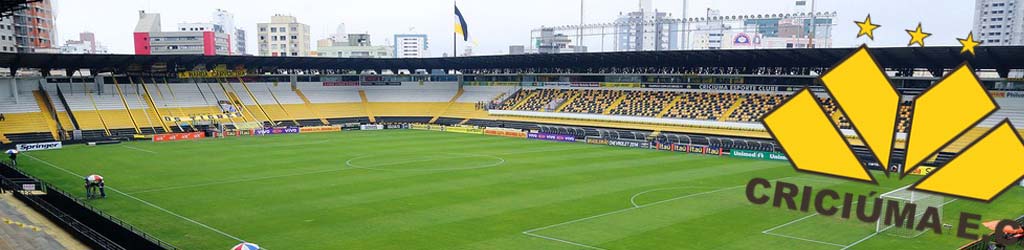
(218, 231)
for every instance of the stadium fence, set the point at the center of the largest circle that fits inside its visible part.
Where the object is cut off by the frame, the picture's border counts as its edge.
(89, 225)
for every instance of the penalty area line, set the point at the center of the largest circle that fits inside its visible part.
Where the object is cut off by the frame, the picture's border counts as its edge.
(531, 233)
(876, 233)
(146, 202)
(563, 241)
(139, 149)
(804, 239)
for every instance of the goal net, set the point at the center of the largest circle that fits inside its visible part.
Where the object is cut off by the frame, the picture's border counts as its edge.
(905, 196)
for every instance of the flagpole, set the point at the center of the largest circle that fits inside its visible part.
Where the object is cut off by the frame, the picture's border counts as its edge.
(455, 35)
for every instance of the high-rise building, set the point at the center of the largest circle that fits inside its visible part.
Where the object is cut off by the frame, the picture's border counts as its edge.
(7, 43)
(353, 46)
(411, 46)
(190, 38)
(283, 36)
(999, 22)
(793, 30)
(646, 29)
(553, 43)
(226, 20)
(34, 29)
(86, 44)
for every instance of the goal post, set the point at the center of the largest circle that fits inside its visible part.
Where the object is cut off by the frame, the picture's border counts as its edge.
(905, 196)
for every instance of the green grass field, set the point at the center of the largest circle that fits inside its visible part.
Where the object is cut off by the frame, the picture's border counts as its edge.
(408, 189)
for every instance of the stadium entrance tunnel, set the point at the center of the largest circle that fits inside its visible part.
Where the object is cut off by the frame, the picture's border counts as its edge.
(425, 161)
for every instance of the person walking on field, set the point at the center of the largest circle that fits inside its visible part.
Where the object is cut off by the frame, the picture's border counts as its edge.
(13, 155)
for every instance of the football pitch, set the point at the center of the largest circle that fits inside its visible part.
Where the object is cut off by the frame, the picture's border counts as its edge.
(408, 189)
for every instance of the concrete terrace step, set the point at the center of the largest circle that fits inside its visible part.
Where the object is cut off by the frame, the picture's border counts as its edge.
(16, 232)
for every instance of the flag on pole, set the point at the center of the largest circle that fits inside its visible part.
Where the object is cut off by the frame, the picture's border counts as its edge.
(460, 25)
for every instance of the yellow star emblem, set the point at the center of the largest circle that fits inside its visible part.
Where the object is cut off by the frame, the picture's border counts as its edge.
(917, 36)
(968, 43)
(867, 28)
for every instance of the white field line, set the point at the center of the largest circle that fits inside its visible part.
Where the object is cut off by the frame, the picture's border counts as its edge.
(876, 233)
(531, 231)
(859, 241)
(791, 222)
(291, 175)
(802, 218)
(238, 180)
(145, 202)
(563, 241)
(804, 239)
(769, 231)
(139, 149)
(632, 199)
(456, 156)
(278, 176)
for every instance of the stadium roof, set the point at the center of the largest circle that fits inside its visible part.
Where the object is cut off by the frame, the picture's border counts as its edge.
(988, 57)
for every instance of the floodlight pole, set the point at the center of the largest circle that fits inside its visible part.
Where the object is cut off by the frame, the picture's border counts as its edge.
(683, 27)
(814, 25)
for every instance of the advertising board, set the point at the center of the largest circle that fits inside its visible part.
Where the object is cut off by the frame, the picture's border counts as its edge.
(629, 144)
(464, 130)
(551, 137)
(506, 132)
(178, 136)
(274, 131)
(754, 154)
(39, 146)
(320, 129)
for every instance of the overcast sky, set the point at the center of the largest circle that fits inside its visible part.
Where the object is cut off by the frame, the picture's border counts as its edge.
(493, 24)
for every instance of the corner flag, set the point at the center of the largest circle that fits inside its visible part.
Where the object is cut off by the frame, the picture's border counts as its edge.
(460, 25)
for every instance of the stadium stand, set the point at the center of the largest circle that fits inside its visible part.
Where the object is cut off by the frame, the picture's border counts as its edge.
(410, 99)
(21, 116)
(17, 231)
(703, 105)
(645, 103)
(472, 102)
(517, 99)
(591, 101)
(100, 112)
(754, 106)
(544, 99)
(333, 101)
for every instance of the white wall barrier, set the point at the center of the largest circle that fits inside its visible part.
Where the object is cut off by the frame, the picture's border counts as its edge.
(657, 121)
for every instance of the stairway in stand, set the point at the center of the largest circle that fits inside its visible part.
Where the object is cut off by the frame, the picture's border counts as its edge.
(366, 105)
(446, 107)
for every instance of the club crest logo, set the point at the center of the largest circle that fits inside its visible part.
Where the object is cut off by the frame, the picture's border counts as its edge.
(952, 107)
